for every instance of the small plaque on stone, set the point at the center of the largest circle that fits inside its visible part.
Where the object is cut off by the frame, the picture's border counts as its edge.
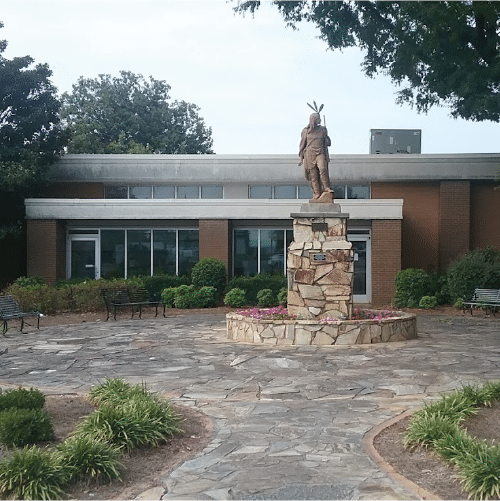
(319, 226)
(319, 257)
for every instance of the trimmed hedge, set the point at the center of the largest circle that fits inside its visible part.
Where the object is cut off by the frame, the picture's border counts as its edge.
(252, 285)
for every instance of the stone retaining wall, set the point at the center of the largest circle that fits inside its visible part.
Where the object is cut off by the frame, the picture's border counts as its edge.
(308, 332)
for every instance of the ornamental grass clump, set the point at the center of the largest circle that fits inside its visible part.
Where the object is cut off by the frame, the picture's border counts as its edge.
(438, 426)
(115, 389)
(32, 473)
(87, 457)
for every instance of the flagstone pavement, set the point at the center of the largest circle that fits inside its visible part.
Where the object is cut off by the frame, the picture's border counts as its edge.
(289, 421)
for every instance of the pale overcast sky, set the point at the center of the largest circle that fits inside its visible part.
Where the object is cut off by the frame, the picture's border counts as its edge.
(251, 77)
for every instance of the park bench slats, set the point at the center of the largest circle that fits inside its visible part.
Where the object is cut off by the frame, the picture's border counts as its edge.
(9, 310)
(484, 298)
(127, 298)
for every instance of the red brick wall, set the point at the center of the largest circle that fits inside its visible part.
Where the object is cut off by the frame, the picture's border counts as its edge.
(454, 220)
(215, 240)
(386, 258)
(46, 249)
(485, 215)
(420, 226)
(74, 190)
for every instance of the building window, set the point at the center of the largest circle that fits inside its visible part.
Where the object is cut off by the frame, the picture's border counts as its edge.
(304, 191)
(257, 191)
(285, 191)
(163, 192)
(339, 191)
(188, 192)
(358, 192)
(260, 250)
(116, 192)
(141, 192)
(211, 192)
(125, 253)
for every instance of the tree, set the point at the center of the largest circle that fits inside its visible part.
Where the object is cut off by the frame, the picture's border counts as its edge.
(443, 53)
(31, 139)
(129, 114)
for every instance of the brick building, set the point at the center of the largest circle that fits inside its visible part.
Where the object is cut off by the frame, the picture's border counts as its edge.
(124, 215)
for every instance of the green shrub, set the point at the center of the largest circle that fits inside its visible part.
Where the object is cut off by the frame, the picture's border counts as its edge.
(19, 427)
(208, 297)
(265, 297)
(209, 272)
(168, 296)
(479, 268)
(21, 398)
(252, 285)
(87, 457)
(428, 302)
(411, 285)
(283, 297)
(235, 298)
(32, 473)
(458, 304)
(158, 283)
(30, 281)
(186, 296)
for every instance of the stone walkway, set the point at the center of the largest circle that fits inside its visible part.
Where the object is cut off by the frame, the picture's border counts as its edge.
(289, 421)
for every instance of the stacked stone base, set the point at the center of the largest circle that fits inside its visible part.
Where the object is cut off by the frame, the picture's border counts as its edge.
(307, 332)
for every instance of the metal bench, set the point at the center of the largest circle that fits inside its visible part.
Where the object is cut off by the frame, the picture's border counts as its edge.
(9, 309)
(127, 298)
(489, 299)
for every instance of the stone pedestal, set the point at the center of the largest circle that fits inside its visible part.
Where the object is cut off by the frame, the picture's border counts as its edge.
(320, 263)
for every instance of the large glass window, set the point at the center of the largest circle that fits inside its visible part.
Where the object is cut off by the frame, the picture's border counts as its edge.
(304, 191)
(246, 252)
(112, 253)
(138, 253)
(188, 250)
(260, 250)
(339, 191)
(164, 252)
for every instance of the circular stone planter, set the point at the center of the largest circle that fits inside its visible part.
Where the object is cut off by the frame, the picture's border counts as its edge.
(310, 332)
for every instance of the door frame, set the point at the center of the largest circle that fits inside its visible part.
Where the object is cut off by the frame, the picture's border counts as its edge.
(364, 298)
(84, 238)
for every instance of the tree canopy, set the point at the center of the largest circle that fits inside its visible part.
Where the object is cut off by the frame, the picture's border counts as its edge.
(31, 136)
(129, 114)
(441, 53)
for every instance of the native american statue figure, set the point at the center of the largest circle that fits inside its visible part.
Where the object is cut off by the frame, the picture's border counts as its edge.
(313, 154)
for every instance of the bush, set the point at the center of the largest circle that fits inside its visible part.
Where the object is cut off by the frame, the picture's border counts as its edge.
(209, 272)
(208, 297)
(428, 302)
(479, 268)
(30, 282)
(168, 297)
(265, 297)
(156, 284)
(186, 296)
(20, 427)
(88, 457)
(283, 297)
(411, 285)
(235, 298)
(252, 285)
(21, 398)
(32, 473)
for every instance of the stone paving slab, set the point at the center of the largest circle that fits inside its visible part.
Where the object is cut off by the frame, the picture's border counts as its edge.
(289, 420)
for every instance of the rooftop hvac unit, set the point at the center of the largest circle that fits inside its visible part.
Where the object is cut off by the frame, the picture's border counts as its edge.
(395, 141)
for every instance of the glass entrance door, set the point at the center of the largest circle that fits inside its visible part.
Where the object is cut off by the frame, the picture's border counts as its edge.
(362, 269)
(84, 258)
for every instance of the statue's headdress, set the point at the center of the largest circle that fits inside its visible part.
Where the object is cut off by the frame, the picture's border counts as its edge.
(315, 107)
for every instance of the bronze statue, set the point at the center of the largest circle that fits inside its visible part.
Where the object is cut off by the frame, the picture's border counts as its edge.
(313, 153)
